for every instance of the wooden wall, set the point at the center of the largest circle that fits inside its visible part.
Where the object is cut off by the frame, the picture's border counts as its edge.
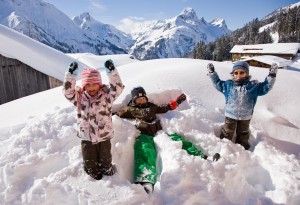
(238, 56)
(19, 80)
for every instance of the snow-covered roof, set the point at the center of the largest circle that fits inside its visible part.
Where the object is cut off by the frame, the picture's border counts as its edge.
(33, 53)
(49, 60)
(268, 59)
(272, 48)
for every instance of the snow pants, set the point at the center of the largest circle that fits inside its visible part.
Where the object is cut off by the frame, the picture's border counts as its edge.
(241, 127)
(97, 159)
(145, 156)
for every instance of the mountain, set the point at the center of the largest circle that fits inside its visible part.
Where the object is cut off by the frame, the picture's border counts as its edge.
(160, 39)
(52, 27)
(105, 32)
(175, 37)
(282, 9)
(282, 24)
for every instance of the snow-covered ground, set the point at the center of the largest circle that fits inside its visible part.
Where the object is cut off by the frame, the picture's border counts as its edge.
(40, 155)
(41, 163)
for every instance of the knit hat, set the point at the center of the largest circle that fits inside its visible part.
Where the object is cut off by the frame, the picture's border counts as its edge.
(138, 92)
(241, 65)
(90, 76)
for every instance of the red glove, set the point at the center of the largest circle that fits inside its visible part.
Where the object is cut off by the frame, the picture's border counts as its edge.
(174, 103)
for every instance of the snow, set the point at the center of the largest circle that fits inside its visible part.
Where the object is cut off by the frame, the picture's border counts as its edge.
(268, 59)
(178, 34)
(274, 36)
(40, 155)
(25, 53)
(51, 26)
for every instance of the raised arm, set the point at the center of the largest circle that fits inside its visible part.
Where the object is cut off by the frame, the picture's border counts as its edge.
(69, 83)
(218, 84)
(269, 82)
(116, 85)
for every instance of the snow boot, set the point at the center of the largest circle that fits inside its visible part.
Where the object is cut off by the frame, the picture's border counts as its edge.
(148, 187)
(216, 157)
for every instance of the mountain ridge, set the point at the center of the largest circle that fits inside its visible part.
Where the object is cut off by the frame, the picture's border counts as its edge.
(170, 38)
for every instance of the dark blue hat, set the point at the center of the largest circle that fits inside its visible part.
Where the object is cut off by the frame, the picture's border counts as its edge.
(241, 65)
(138, 92)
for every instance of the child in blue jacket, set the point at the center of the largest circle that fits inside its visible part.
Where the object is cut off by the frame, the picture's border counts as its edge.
(240, 95)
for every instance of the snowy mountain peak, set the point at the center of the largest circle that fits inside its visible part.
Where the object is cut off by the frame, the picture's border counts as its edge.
(175, 37)
(219, 22)
(188, 15)
(85, 20)
(189, 12)
(85, 16)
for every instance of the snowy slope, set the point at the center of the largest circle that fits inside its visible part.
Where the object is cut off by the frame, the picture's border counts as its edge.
(45, 23)
(282, 9)
(40, 161)
(275, 36)
(98, 30)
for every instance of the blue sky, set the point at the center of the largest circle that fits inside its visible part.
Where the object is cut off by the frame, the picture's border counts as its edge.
(123, 13)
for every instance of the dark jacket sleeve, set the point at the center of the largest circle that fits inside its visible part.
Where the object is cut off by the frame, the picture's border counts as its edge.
(163, 108)
(125, 113)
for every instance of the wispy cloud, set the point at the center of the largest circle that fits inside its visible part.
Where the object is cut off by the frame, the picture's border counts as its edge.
(131, 23)
(97, 5)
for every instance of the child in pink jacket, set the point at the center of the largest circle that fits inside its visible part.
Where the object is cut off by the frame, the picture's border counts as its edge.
(94, 111)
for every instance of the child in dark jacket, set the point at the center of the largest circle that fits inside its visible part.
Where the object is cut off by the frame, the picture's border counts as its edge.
(94, 115)
(144, 112)
(241, 95)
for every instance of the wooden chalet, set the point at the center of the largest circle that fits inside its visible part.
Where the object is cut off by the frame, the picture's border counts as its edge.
(263, 55)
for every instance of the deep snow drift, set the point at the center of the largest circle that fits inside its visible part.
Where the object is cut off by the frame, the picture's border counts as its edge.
(40, 156)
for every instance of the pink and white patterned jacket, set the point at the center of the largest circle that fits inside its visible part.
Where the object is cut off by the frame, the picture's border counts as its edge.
(94, 114)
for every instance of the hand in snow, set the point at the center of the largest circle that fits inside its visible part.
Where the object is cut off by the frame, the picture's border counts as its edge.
(73, 69)
(273, 70)
(210, 68)
(174, 103)
(109, 65)
(180, 99)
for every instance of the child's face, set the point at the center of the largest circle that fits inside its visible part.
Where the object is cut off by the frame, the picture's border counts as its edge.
(92, 89)
(239, 73)
(141, 101)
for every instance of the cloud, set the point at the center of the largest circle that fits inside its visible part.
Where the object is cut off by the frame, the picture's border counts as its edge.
(129, 24)
(97, 5)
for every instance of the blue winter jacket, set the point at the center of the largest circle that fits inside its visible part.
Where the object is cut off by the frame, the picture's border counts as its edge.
(241, 99)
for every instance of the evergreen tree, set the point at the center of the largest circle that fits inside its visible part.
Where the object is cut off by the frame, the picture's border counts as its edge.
(286, 24)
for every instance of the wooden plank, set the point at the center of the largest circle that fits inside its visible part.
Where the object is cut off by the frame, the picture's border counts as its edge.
(19, 80)
(3, 97)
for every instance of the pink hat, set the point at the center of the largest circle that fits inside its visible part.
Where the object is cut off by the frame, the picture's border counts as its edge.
(90, 76)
